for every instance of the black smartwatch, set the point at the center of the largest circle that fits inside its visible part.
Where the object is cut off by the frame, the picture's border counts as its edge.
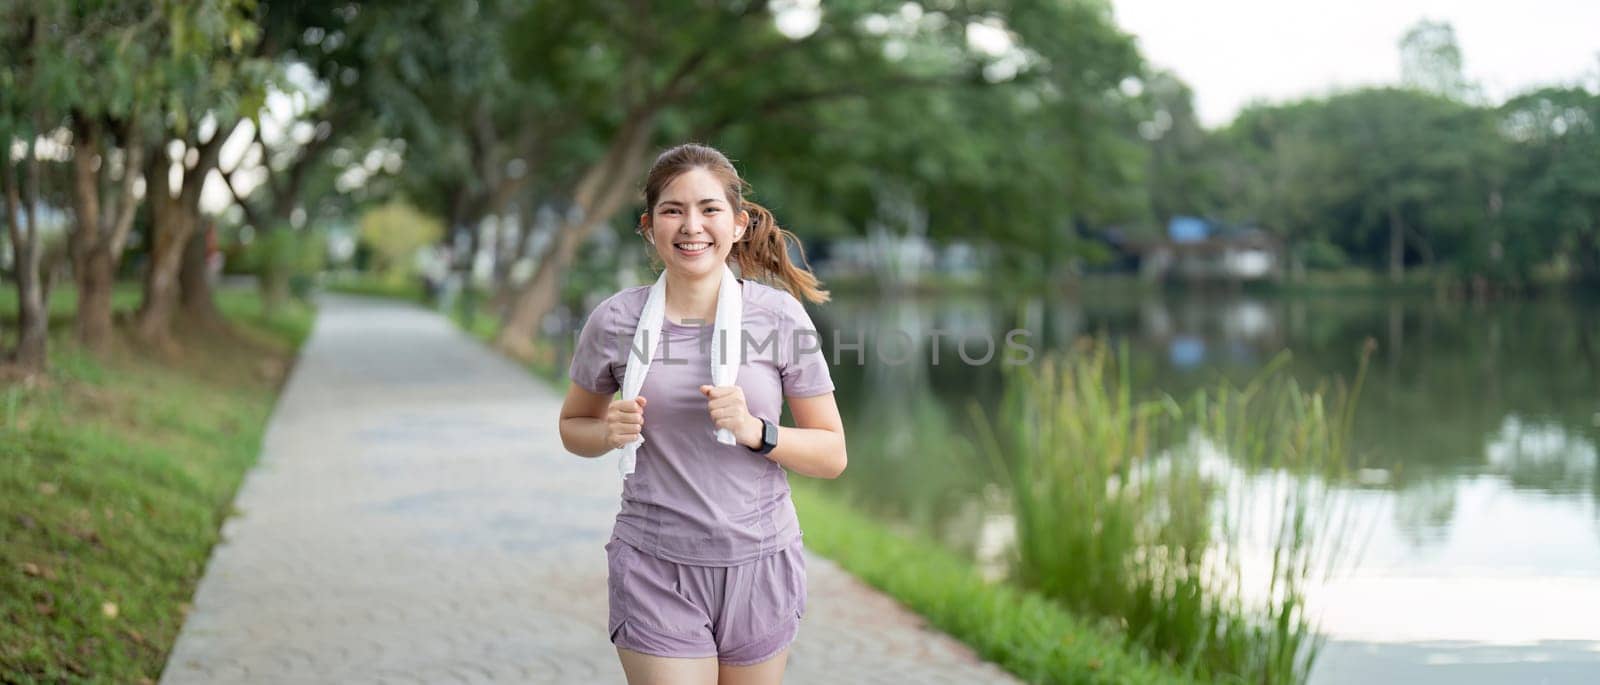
(769, 437)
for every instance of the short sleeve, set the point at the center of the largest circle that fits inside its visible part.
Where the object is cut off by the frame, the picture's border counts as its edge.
(804, 366)
(591, 360)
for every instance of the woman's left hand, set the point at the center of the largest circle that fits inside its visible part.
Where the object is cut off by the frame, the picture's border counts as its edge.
(728, 410)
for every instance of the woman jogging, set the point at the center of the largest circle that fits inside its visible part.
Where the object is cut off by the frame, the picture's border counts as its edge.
(705, 566)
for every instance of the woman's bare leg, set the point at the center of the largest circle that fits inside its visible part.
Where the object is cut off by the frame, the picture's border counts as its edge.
(646, 669)
(769, 672)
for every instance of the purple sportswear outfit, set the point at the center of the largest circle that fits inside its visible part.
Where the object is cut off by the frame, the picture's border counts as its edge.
(705, 557)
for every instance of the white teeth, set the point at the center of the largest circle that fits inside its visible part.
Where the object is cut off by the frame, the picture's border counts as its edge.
(693, 246)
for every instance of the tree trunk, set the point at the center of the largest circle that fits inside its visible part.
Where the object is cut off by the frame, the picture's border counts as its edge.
(505, 291)
(95, 275)
(194, 281)
(90, 269)
(33, 320)
(1397, 336)
(100, 231)
(154, 324)
(1397, 246)
(601, 192)
(1589, 257)
(505, 255)
(174, 222)
(467, 299)
(538, 297)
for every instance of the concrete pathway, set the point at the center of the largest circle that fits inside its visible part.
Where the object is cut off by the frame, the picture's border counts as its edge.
(414, 519)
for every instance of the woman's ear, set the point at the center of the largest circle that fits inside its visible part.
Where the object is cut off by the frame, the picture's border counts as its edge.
(644, 228)
(744, 225)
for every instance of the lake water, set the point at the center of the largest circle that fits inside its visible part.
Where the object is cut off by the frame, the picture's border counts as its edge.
(1478, 500)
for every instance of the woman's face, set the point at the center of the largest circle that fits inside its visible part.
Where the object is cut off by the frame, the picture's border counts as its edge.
(693, 225)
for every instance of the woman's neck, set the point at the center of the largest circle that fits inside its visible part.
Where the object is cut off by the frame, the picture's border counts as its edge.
(693, 298)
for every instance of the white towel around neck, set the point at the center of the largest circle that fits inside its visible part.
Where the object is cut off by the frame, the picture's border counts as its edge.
(729, 328)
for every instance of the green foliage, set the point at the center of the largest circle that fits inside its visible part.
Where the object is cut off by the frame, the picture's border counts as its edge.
(1181, 178)
(1321, 254)
(1473, 193)
(1430, 60)
(286, 254)
(209, 72)
(395, 231)
(126, 60)
(1352, 169)
(1016, 149)
(1120, 512)
(1028, 634)
(355, 284)
(1552, 192)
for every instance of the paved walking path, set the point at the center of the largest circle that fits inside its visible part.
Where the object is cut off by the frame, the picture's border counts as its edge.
(413, 518)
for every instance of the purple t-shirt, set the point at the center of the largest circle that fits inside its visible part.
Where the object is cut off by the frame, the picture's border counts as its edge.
(691, 499)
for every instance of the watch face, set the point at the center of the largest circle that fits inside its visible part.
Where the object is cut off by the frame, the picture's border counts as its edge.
(769, 434)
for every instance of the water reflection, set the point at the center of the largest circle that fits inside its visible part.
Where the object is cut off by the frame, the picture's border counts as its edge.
(1423, 512)
(1477, 433)
(1543, 456)
(1452, 391)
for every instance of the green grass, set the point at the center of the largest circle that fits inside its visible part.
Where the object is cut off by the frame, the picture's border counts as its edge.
(1022, 631)
(116, 474)
(410, 290)
(63, 306)
(1118, 514)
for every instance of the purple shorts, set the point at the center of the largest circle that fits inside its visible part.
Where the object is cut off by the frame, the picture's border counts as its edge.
(740, 614)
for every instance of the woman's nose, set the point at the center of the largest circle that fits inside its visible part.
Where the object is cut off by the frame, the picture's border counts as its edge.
(698, 220)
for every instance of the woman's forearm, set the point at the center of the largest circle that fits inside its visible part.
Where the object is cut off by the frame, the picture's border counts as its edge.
(814, 452)
(584, 436)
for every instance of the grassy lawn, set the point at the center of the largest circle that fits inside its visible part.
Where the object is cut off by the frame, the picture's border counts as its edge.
(410, 290)
(1023, 632)
(116, 474)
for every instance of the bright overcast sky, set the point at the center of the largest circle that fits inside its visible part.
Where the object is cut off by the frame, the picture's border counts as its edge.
(1233, 51)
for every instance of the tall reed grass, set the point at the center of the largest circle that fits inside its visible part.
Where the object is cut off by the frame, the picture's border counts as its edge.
(1194, 526)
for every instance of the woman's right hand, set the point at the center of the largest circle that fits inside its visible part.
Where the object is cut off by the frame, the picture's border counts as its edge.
(624, 421)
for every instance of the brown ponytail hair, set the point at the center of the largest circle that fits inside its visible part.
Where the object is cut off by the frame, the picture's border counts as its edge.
(763, 252)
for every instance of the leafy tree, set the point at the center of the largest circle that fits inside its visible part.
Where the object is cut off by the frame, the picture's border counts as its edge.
(112, 96)
(34, 97)
(209, 80)
(394, 232)
(1383, 173)
(1423, 165)
(901, 70)
(1180, 176)
(342, 53)
(1430, 60)
(1279, 169)
(1552, 195)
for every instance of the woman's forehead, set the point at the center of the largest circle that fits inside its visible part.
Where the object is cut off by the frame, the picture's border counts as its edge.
(694, 186)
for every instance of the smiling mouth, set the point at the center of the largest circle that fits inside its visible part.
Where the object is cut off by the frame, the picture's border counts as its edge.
(692, 248)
